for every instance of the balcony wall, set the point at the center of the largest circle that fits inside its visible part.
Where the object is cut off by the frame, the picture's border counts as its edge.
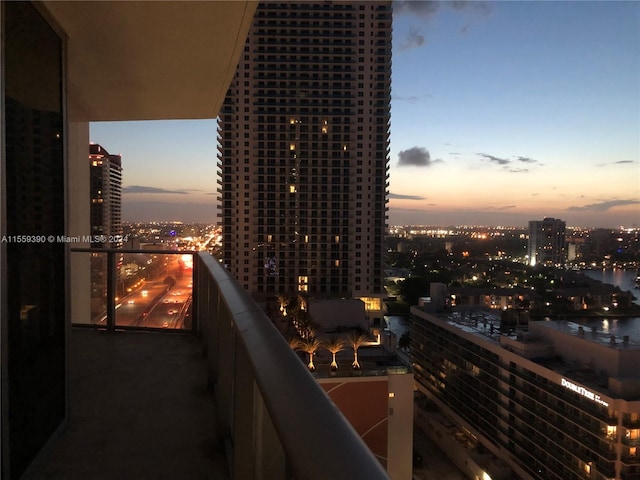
(296, 431)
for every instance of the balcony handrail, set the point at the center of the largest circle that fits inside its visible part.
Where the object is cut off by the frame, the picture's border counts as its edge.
(155, 251)
(318, 441)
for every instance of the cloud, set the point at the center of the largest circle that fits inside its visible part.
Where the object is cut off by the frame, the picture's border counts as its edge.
(428, 8)
(471, 6)
(526, 160)
(406, 197)
(416, 156)
(423, 9)
(619, 162)
(605, 206)
(411, 98)
(505, 162)
(414, 40)
(491, 158)
(141, 189)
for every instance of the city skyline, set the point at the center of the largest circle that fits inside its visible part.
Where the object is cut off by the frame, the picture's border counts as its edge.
(490, 125)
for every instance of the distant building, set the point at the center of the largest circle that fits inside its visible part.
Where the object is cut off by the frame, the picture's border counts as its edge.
(559, 401)
(304, 152)
(547, 242)
(495, 298)
(106, 197)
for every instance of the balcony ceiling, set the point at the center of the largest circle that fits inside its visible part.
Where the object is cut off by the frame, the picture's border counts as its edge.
(150, 60)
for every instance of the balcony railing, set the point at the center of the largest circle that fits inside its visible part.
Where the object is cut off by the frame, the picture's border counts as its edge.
(275, 419)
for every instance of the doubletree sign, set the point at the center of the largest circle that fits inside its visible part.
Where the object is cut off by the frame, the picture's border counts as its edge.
(583, 391)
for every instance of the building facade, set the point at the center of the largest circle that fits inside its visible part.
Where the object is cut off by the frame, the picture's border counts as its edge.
(304, 152)
(556, 403)
(547, 242)
(106, 196)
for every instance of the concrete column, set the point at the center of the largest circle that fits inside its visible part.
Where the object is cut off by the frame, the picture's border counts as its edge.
(78, 218)
(400, 427)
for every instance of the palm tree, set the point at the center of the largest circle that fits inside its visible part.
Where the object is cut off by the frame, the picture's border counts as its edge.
(334, 344)
(305, 325)
(295, 342)
(310, 346)
(356, 339)
(282, 301)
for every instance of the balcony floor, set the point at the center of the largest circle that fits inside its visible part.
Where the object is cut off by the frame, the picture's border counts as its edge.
(138, 409)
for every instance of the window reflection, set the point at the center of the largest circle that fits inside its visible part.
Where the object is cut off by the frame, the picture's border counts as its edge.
(34, 210)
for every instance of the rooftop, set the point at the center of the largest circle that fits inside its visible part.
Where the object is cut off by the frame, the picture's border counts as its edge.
(610, 333)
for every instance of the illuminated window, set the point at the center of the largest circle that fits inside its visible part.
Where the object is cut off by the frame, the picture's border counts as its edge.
(306, 239)
(344, 147)
(292, 189)
(392, 395)
(633, 451)
(337, 238)
(303, 284)
(587, 468)
(611, 430)
(292, 146)
(269, 238)
(336, 263)
(371, 303)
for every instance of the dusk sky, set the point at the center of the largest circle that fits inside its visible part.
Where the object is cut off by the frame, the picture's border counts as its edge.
(502, 112)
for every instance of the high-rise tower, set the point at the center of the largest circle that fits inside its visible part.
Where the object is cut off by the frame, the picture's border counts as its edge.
(547, 242)
(106, 196)
(304, 145)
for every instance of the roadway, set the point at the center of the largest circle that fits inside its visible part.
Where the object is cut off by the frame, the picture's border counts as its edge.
(170, 310)
(158, 303)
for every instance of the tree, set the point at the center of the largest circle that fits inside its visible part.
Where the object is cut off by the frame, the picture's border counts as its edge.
(304, 324)
(412, 288)
(405, 340)
(310, 346)
(334, 345)
(356, 339)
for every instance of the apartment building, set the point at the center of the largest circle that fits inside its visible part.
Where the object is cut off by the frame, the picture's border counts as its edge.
(106, 196)
(547, 242)
(304, 152)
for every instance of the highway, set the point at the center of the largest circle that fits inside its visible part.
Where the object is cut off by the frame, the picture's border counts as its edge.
(159, 303)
